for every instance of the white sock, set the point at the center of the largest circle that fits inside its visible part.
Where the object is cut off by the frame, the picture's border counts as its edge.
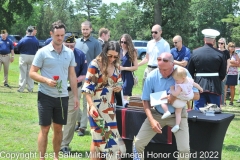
(175, 128)
(166, 114)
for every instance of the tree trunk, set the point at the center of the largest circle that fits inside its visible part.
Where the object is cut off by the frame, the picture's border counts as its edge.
(158, 12)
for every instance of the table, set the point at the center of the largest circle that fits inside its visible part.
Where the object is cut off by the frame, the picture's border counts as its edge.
(206, 134)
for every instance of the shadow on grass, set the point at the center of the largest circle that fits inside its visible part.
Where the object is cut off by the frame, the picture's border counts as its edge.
(231, 147)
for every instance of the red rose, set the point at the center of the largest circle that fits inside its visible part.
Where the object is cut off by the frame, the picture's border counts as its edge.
(55, 78)
(95, 113)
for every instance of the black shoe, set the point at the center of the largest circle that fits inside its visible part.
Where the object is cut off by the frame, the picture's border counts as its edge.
(65, 150)
(230, 103)
(81, 132)
(77, 126)
(6, 85)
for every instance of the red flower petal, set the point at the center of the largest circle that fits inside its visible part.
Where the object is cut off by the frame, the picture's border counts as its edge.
(55, 78)
(95, 113)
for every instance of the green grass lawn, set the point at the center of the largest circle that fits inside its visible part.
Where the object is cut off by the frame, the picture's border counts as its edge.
(19, 123)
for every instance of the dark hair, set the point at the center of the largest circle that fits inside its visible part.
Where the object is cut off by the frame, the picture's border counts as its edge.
(131, 50)
(58, 25)
(103, 58)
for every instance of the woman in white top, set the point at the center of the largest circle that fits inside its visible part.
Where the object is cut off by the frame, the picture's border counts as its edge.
(232, 71)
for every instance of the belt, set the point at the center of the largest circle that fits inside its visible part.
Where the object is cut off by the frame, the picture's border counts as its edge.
(207, 74)
(152, 66)
(4, 55)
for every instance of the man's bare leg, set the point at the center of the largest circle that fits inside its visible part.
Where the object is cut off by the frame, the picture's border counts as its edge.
(57, 139)
(42, 141)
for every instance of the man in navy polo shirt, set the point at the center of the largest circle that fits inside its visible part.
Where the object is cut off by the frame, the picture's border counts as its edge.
(81, 70)
(181, 55)
(6, 47)
(27, 47)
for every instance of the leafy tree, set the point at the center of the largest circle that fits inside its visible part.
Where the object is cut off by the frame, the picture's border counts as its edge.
(88, 6)
(170, 14)
(9, 8)
(205, 14)
(233, 24)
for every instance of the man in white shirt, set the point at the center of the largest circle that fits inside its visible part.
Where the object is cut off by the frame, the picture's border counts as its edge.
(155, 48)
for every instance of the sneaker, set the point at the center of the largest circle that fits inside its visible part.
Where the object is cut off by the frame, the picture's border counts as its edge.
(230, 103)
(166, 114)
(175, 128)
(238, 101)
(81, 132)
(65, 150)
(6, 85)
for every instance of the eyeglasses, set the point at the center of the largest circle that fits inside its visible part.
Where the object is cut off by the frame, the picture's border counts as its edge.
(70, 46)
(112, 56)
(125, 42)
(232, 46)
(220, 43)
(163, 59)
(155, 32)
(175, 42)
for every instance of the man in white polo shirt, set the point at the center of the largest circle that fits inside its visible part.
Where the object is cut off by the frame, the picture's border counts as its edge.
(155, 47)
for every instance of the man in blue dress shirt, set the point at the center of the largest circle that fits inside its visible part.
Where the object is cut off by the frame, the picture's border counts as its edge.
(161, 80)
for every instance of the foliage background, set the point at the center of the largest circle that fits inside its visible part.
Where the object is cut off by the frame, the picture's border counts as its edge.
(136, 17)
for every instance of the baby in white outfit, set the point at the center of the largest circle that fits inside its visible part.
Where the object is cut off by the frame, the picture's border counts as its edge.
(183, 91)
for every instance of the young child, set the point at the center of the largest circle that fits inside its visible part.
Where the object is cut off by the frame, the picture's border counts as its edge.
(183, 91)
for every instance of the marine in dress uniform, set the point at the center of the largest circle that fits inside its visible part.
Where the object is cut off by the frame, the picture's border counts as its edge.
(208, 68)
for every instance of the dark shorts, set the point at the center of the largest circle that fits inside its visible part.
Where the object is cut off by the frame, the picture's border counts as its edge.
(50, 110)
(232, 80)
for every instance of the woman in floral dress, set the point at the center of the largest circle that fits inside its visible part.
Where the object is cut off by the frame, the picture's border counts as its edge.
(102, 80)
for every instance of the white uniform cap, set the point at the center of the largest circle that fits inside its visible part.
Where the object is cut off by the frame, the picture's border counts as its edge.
(210, 33)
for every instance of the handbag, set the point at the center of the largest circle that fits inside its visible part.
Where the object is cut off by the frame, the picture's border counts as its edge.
(135, 79)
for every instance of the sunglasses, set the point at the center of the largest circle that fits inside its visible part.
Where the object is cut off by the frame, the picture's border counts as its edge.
(220, 43)
(70, 46)
(163, 59)
(155, 32)
(112, 56)
(125, 42)
(175, 42)
(232, 46)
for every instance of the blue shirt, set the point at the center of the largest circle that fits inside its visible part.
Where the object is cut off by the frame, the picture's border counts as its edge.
(81, 63)
(91, 47)
(53, 64)
(48, 41)
(28, 45)
(183, 54)
(6, 46)
(156, 83)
